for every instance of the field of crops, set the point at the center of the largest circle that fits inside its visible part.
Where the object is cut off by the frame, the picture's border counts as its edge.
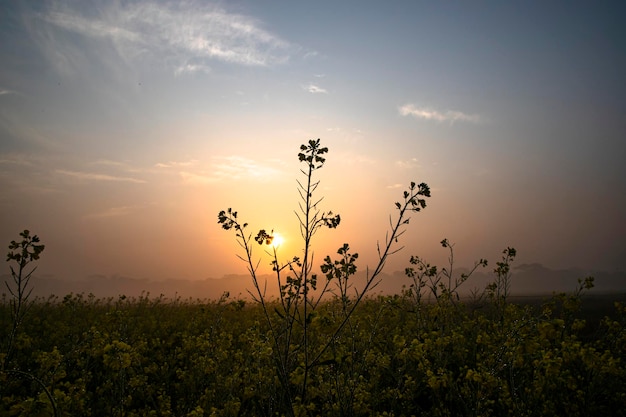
(83, 356)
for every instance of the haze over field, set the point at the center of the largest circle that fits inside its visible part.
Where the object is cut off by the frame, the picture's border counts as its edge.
(125, 127)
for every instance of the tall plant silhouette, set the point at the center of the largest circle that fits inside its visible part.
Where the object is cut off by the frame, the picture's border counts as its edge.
(23, 253)
(289, 319)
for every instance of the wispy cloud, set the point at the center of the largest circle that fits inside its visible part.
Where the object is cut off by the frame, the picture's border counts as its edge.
(176, 164)
(314, 89)
(438, 116)
(4, 91)
(235, 168)
(184, 37)
(191, 69)
(91, 176)
(109, 162)
(193, 178)
(311, 54)
(407, 164)
(15, 159)
(124, 166)
(13, 128)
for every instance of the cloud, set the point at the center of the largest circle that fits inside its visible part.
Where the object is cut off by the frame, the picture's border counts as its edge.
(407, 164)
(191, 69)
(311, 88)
(4, 91)
(14, 129)
(90, 176)
(15, 159)
(24, 172)
(192, 178)
(175, 164)
(311, 54)
(184, 37)
(234, 168)
(108, 162)
(118, 165)
(429, 114)
(239, 167)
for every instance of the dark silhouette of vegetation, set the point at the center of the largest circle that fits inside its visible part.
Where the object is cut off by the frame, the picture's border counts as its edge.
(295, 354)
(23, 253)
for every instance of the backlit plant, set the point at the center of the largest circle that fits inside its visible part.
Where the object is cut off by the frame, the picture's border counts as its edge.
(295, 354)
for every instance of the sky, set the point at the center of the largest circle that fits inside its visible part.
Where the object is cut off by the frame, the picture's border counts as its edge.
(126, 126)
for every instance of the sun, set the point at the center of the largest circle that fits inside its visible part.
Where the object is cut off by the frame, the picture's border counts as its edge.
(278, 240)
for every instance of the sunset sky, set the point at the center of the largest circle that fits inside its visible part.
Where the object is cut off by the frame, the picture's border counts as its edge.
(126, 126)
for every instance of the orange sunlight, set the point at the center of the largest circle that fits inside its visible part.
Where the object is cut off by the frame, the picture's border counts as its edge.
(278, 240)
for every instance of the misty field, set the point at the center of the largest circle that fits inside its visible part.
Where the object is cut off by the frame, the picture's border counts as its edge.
(151, 356)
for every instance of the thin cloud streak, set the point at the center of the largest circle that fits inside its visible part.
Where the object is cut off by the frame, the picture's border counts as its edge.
(192, 178)
(175, 164)
(314, 89)
(15, 160)
(186, 38)
(90, 176)
(109, 162)
(4, 92)
(191, 69)
(408, 164)
(429, 114)
(121, 166)
(233, 168)
(11, 127)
